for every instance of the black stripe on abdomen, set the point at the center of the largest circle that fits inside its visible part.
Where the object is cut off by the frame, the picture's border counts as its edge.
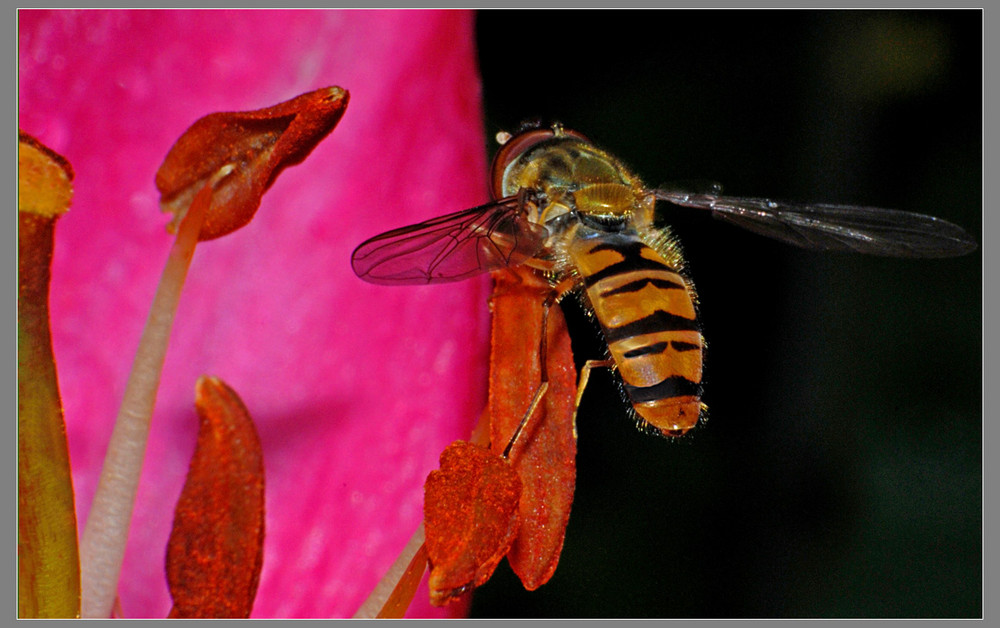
(639, 284)
(655, 322)
(632, 260)
(675, 386)
(683, 346)
(658, 347)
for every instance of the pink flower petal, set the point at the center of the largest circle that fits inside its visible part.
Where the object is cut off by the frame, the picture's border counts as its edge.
(355, 388)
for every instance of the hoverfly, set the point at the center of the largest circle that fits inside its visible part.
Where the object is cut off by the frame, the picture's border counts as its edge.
(575, 214)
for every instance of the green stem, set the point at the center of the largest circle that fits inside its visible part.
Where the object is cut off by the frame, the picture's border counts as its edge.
(48, 567)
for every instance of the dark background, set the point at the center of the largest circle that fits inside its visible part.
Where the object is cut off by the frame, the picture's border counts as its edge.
(839, 473)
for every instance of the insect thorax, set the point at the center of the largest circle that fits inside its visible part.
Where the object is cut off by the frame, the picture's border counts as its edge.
(571, 175)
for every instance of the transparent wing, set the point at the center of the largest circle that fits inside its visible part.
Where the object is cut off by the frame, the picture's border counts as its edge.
(452, 247)
(834, 227)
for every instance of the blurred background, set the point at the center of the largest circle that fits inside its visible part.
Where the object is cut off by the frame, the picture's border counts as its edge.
(839, 473)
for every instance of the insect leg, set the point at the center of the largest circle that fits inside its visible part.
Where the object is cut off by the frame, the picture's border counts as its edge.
(537, 399)
(543, 385)
(585, 377)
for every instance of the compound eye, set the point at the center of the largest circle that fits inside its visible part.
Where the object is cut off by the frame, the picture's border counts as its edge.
(519, 144)
(510, 151)
(574, 134)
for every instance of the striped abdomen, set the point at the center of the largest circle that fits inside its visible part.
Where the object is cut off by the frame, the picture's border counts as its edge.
(647, 313)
